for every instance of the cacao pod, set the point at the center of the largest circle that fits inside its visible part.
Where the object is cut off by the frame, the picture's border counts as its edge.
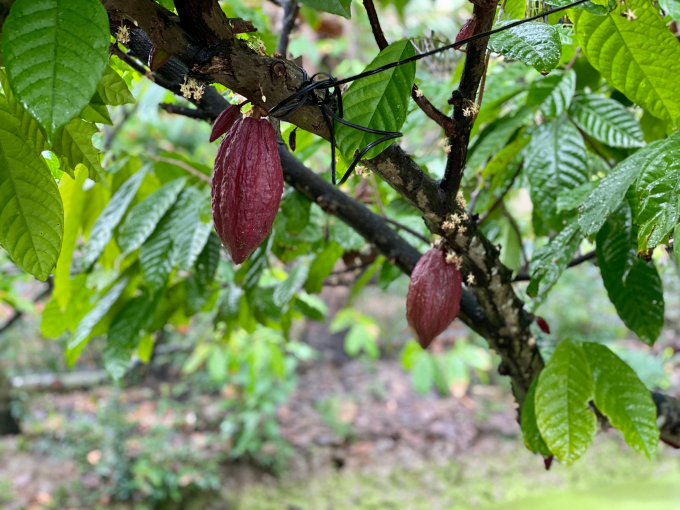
(543, 325)
(433, 299)
(246, 187)
(224, 121)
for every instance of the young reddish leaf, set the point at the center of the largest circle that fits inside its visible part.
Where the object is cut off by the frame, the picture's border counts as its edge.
(543, 325)
(224, 121)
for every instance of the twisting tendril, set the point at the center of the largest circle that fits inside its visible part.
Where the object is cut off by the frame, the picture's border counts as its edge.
(318, 93)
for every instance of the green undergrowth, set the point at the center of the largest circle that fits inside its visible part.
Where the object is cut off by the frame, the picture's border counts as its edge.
(490, 479)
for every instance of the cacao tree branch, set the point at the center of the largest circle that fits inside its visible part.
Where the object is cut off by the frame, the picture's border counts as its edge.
(463, 98)
(290, 12)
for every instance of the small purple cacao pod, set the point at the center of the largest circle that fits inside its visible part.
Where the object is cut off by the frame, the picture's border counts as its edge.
(433, 299)
(247, 186)
(224, 121)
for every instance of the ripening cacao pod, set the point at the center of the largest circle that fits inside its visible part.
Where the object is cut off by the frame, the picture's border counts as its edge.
(433, 299)
(224, 121)
(246, 186)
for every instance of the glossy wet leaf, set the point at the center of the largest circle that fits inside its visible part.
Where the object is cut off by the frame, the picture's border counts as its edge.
(633, 285)
(606, 120)
(563, 416)
(379, 102)
(55, 52)
(555, 160)
(551, 260)
(536, 44)
(553, 93)
(623, 398)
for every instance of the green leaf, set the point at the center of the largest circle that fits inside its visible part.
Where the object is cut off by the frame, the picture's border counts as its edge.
(295, 207)
(532, 436)
(73, 145)
(610, 191)
(30, 128)
(55, 52)
(73, 198)
(571, 199)
(82, 333)
(378, 102)
(658, 190)
(102, 230)
(565, 387)
(671, 7)
(633, 285)
(31, 211)
(496, 136)
(157, 256)
(536, 44)
(96, 111)
(339, 7)
(191, 231)
(124, 333)
(640, 58)
(596, 7)
(423, 372)
(623, 398)
(553, 258)
(311, 306)
(285, 291)
(112, 89)
(144, 216)
(555, 161)
(553, 93)
(606, 120)
(345, 236)
(208, 260)
(676, 244)
(322, 267)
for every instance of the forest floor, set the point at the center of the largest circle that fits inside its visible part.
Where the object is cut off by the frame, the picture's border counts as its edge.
(361, 438)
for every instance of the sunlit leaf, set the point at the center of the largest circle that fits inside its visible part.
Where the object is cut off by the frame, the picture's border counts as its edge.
(640, 58)
(377, 102)
(31, 211)
(623, 398)
(565, 387)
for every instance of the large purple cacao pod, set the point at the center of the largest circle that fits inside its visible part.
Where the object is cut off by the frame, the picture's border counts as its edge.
(433, 299)
(246, 187)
